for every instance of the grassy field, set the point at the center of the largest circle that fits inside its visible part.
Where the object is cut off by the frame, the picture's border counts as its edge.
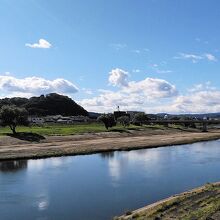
(69, 129)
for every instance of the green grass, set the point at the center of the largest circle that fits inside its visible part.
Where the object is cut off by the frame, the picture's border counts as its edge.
(62, 130)
(199, 204)
(67, 129)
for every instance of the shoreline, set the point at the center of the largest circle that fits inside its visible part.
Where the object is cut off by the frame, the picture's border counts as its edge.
(57, 146)
(165, 208)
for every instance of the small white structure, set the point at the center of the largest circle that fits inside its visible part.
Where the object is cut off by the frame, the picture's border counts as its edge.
(165, 117)
(36, 120)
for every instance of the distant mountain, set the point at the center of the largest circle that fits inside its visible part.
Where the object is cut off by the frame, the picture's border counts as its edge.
(51, 104)
(94, 115)
(210, 115)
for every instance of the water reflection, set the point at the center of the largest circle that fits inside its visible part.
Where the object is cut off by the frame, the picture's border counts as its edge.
(13, 166)
(105, 185)
(144, 159)
(114, 168)
(42, 200)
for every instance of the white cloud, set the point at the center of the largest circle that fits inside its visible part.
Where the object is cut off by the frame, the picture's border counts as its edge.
(154, 95)
(118, 77)
(151, 88)
(210, 57)
(34, 86)
(202, 98)
(41, 44)
(196, 58)
(108, 101)
(194, 102)
(132, 95)
(197, 102)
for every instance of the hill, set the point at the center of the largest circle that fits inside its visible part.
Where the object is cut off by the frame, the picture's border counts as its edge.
(51, 104)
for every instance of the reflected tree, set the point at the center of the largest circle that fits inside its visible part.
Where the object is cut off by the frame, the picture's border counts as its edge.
(13, 166)
(107, 154)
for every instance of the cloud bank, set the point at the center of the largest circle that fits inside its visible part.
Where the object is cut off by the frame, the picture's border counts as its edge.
(132, 95)
(153, 95)
(34, 86)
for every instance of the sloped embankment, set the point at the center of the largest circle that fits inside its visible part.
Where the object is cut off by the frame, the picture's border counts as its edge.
(201, 203)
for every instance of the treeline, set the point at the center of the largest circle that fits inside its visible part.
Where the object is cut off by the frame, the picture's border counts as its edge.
(51, 104)
(111, 120)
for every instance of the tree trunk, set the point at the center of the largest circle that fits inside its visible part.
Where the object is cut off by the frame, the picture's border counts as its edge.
(13, 129)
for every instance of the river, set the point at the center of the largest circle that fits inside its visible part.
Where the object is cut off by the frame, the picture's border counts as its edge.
(101, 186)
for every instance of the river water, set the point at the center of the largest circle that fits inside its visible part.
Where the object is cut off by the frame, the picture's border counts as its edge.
(101, 186)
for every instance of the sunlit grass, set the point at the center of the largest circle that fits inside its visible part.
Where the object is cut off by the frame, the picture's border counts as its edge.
(63, 130)
(57, 129)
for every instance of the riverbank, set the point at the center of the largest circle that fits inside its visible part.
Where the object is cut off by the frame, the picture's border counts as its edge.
(200, 203)
(51, 146)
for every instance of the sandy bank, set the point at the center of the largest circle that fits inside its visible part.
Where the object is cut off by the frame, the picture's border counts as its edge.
(12, 148)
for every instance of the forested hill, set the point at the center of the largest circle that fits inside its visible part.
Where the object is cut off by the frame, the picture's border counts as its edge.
(51, 104)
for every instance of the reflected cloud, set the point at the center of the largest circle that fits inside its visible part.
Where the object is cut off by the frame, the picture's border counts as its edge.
(40, 193)
(114, 168)
(57, 161)
(42, 205)
(143, 156)
(41, 164)
(143, 159)
(36, 164)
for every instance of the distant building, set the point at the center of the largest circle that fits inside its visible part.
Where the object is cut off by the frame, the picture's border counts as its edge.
(36, 120)
(58, 119)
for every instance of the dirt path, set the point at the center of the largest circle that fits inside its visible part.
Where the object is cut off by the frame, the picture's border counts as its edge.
(11, 148)
(201, 204)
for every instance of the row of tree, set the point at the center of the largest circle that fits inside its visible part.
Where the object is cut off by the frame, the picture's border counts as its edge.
(109, 120)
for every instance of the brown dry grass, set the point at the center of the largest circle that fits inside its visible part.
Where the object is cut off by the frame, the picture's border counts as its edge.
(13, 148)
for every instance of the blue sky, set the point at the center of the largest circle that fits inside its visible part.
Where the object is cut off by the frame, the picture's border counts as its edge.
(150, 55)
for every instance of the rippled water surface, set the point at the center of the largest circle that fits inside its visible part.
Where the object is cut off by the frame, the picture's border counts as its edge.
(100, 186)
